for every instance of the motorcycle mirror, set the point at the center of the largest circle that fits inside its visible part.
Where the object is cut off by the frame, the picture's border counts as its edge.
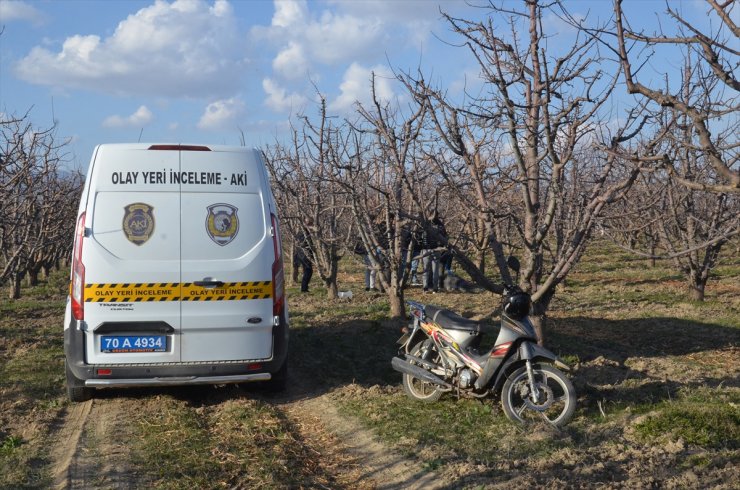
(513, 263)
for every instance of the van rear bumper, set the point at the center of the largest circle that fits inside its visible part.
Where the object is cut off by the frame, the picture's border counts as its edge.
(176, 381)
(176, 374)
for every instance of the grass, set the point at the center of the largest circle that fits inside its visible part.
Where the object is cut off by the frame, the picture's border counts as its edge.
(233, 443)
(707, 426)
(459, 429)
(701, 417)
(646, 356)
(656, 376)
(10, 444)
(31, 380)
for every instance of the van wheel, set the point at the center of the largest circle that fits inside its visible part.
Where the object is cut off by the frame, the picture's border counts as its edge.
(279, 380)
(76, 389)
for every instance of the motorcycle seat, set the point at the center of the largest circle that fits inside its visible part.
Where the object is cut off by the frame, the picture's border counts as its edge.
(450, 320)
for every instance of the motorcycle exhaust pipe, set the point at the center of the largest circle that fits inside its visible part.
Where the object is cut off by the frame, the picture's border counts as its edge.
(407, 368)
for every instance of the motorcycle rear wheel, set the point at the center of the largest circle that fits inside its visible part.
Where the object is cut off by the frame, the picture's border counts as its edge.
(416, 388)
(557, 402)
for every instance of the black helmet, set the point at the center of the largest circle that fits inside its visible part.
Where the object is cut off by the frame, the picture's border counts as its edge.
(517, 304)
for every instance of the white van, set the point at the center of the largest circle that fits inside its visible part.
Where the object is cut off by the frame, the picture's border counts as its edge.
(177, 271)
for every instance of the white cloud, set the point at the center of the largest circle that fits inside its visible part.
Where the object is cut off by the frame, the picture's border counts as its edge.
(355, 87)
(308, 37)
(289, 13)
(279, 100)
(11, 10)
(291, 62)
(222, 114)
(337, 38)
(140, 118)
(346, 32)
(414, 18)
(186, 48)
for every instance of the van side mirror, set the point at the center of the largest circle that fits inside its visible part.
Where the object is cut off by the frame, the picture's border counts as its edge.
(513, 263)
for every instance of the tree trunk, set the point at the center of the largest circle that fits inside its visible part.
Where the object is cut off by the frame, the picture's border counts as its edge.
(696, 290)
(331, 288)
(480, 260)
(15, 285)
(538, 315)
(395, 300)
(540, 323)
(33, 277)
(331, 280)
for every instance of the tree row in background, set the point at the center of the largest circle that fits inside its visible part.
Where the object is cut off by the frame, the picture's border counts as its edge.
(551, 142)
(38, 202)
(531, 162)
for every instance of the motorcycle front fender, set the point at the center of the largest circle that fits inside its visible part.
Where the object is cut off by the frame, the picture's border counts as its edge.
(529, 351)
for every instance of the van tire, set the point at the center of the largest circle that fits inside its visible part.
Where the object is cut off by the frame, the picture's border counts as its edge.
(279, 380)
(76, 389)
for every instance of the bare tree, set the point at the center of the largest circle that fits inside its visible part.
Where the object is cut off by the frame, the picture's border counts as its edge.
(689, 224)
(546, 108)
(714, 71)
(464, 161)
(377, 174)
(38, 204)
(314, 206)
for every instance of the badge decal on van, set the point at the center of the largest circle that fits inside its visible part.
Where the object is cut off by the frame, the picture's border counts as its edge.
(138, 222)
(222, 223)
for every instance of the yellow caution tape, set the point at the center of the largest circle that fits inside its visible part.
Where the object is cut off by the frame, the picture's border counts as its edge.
(173, 291)
(228, 292)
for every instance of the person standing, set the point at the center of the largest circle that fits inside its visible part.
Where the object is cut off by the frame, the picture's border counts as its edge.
(370, 271)
(302, 257)
(430, 254)
(416, 256)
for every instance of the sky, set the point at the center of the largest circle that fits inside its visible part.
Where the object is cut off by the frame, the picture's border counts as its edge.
(220, 71)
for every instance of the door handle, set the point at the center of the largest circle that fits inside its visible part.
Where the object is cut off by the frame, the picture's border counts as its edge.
(209, 284)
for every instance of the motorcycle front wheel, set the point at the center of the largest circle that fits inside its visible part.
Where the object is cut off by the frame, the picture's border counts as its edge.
(555, 404)
(416, 388)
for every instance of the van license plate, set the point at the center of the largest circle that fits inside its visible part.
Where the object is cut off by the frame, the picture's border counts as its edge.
(133, 343)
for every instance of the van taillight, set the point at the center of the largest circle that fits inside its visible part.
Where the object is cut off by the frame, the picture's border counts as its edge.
(278, 277)
(77, 282)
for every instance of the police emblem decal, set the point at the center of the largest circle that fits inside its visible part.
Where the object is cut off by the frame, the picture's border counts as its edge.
(222, 223)
(138, 222)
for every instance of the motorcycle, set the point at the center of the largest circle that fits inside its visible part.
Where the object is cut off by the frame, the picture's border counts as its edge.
(439, 353)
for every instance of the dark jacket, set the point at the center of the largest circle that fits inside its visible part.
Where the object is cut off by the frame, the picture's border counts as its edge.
(429, 233)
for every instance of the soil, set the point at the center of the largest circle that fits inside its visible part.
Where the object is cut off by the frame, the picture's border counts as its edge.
(649, 365)
(85, 453)
(375, 465)
(352, 455)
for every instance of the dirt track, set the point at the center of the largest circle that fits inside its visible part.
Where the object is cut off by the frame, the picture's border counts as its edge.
(378, 466)
(85, 454)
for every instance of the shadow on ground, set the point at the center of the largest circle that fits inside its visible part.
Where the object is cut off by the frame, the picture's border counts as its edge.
(589, 338)
(358, 352)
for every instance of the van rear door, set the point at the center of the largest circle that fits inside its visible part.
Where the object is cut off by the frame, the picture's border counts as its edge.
(227, 256)
(131, 256)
